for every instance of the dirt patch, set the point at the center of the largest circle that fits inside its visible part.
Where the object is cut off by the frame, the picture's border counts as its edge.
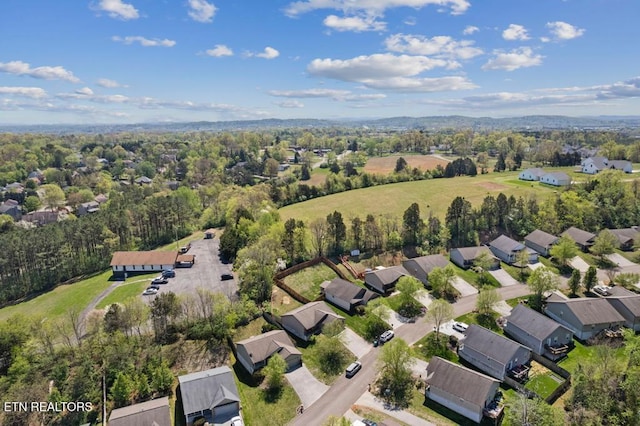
(286, 300)
(492, 186)
(317, 179)
(537, 369)
(386, 165)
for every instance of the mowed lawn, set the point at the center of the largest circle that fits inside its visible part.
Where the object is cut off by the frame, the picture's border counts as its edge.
(386, 165)
(133, 287)
(307, 281)
(57, 302)
(431, 195)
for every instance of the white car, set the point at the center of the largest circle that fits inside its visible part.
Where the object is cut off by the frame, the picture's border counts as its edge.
(460, 327)
(150, 291)
(386, 336)
(237, 421)
(353, 368)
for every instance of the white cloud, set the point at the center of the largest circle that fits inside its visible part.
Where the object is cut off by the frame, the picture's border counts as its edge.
(545, 39)
(117, 9)
(219, 50)
(626, 89)
(563, 31)
(372, 7)
(201, 11)
(354, 23)
(440, 46)
(44, 73)
(85, 91)
(413, 85)
(110, 84)
(29, 92)
(509, 61)
(470, 29)
(268, 53)
(146, 42)
(515, 32)
(411, 21)
(335, 94)
(290, 104)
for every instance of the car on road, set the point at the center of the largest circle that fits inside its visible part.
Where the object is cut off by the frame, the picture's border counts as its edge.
(353, 368)
(150, 291)
(460, 327)
(168, 273)
(386, 336)
(225, 277)
(237, 421)
(159, 280)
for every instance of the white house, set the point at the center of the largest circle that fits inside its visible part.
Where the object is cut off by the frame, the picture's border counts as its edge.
(623, 165)
(593, 165)
(556, 179)
(124, 262)
(531, 174)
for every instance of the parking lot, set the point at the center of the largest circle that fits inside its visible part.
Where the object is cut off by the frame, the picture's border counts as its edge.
(205, 272)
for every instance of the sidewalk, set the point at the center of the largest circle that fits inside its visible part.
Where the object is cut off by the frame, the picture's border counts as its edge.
(368, 400)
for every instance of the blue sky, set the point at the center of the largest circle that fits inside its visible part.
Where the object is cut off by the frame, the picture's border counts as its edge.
(128, 61)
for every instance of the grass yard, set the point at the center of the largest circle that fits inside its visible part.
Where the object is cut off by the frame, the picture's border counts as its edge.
(133, 287)
(307, 281)
(55, 303)
(581, 352)
(426, 348)
(254, 328)
(433, 195)
(281, 302)
(354, 322)
(318, 177)
(259, 408)
(542, 380)
(386, 165)
(472, 277)
(518, 274)
(313, 361)
(482, 320)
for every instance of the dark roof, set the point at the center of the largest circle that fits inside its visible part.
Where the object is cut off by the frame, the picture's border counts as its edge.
(581, 237)
(618, 290)
(625, 235)
(541, 238)
(471, 253)
(150, 413)
(632, 303)
(7, 207)
(426, 263)
(208, 389)
(590, 310)
(264, 345)
(459, 381)
(312, 314)
(347, 291)
(506, 244)
(534, 323)
(619, 164)
(386, 276)
(491, 345)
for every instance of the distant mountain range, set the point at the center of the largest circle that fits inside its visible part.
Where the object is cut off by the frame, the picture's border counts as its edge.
(532, 122)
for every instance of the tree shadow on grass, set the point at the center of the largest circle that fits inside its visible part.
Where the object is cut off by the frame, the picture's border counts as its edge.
(272, 395)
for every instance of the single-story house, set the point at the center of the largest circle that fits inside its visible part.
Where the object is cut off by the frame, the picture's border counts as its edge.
(623, 165)
(618, 290)
(465, 257)
(421, 267)
(254, 352)
(492, 353)
(101, 198)
(460, 389)
(541, 334)
(345, 294)
(384, 280)
(586, 317)
(86, 208)
(531, 174)
(309, 319)
(185, 260)
(556, 179)
(583, 239)
(42, 217)
(540, 241)
(209, 234)
(154, 412)
(507, 250)
(125, 262)
(210, 394)
(143, 180)
(629, 308)
(11, 208)
(626, 237)
(593, 165)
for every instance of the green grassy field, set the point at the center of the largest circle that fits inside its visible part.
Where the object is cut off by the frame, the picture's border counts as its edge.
(431, 195)
(133, 287)
(58, 301)
(307, 281)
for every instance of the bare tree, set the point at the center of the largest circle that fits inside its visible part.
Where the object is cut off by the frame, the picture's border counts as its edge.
(439, 311)
(319, 233)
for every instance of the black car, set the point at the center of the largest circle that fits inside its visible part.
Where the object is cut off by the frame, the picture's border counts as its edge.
(169, 273)
(157, 287)
(225, 277)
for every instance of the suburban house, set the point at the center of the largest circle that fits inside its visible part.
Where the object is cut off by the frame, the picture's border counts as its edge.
(43, 217)
(154, 412)
(531, 174)
(384, 280)
(493, 354)
(309, 319)
(11, 208)
(210, 394)
(540, 241)
(629, 308)
(623, 165)
(460, 389)
(593, 165)
(126, 262)
(86, 208)
(345, 294)
(556, 179)
(143, 180)
(254, 352)
(507, 250)
(421, 267)
(465, 257)
(626, 237)
(586, 317)
(541, 334)
(583, 239)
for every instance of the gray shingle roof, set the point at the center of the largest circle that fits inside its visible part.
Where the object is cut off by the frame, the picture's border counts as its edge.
(534, 323)
(625, 235)
(208, 389)
(154, 412)
(541, 238)
(264, 345)
(506, 244)
(426, 263)
(490, 344)
(632, 303)
(619, 164)
(536, 171)
(579, 236)
(471, 253)
(459, 381)
(558, 175)
(347, 291)
(385, 276)
(312, 314)
(591, 310)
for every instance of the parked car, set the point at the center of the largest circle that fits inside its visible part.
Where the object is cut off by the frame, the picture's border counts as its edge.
(602, 290)
(169, 273)
(369, 422)
(353, 368)
(460, 326)
(159, 280)
(150, 291)
(155, 286)
(237, 421)
(225, 277)
(386, 336)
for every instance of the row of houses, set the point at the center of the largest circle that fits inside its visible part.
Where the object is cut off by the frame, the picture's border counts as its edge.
(550, 178)
(593, 165)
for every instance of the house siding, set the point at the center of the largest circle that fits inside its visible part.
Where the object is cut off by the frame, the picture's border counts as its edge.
(294, 327)
(245, 359)
(490, 366)
(338, 302)
(631, 321)
(532, 342)
(454, 403)
(505, 257)
(456, 257)
(537, 247)
(561, 314)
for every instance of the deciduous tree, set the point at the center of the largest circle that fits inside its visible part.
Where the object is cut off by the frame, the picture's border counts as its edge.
(440, 311)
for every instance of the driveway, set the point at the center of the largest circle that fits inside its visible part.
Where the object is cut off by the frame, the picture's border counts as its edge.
(534, 266)
(464, 287)
(504, 278)
(419, 367)
(447, 328)
(502, 308)
(579, 264)
(368, 400)
(308, 388)
(620, 260)
(356, 344)
(424, 297)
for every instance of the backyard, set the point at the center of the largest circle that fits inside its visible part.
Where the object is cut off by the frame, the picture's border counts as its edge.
(307, 281)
